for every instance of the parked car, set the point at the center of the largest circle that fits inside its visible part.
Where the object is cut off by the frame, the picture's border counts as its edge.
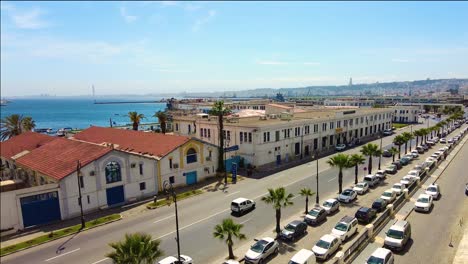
(361, 187)
(405, 160)
(433, 190)
(408, 180)
(391, 169)
(443, 140)
(326, 246)
(294, 230)
(331, 206)
(304, 256)
(386, 153)
(389, 195)
(425, 146)
(345, 228)
(379, 204)
(415, 173)
(398, 164)
(430, 143)
(315, 216)
(424, 203)
(381, 256)
(174, 260)
(409, 156)
(420, 149)
(450, 140)
(399, 187)
(435, 139)
(398, 235)
(231, 261)
(241, 205)
(347, 196)
(365, 214)
(381, 174)
(261, 250)
(388, 132)
(415, 154)
(372, 180)
(340, 147)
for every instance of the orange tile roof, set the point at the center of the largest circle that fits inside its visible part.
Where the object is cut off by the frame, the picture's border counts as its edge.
(143, 143)
(58, 158)
(22, 142)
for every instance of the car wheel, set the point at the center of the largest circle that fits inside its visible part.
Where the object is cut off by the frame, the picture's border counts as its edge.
(276, 251)
(260, 261)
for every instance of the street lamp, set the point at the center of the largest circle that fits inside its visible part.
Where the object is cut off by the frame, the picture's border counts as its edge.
(169, 189)
(411, 127)
(317, 198)
(380, 153)
(226, 145)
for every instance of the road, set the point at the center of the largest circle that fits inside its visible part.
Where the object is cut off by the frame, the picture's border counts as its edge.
(197, 217)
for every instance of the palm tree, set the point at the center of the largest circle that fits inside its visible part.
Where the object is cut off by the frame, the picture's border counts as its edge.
(342, 162)
(220, 111)
(14, 125)
(399, 141)
(407, 136)
(418, 133)
(393, 151)
(279, 199)
(370, 150)
(137, 248)
(27, 124)
(227, 230)
(306, 192)
(162, 118)
(356, 160)
(135, 118)
(425, 132)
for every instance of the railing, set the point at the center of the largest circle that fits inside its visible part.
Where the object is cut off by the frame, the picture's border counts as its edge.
(398, 202)
(357, 243)
(378, 222)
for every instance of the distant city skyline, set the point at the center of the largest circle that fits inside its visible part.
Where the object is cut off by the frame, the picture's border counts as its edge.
(63, 48)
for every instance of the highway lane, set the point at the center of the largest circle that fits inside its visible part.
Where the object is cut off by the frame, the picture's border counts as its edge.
(197, 218)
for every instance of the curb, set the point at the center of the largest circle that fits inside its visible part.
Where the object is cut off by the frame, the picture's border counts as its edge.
(55, 238)
(178, 200)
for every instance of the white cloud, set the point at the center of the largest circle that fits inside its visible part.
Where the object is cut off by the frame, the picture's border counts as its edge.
(128, 18)
(200, 22)
(400, 60)
(26, 19)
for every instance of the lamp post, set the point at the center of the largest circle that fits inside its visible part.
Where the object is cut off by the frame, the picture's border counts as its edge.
(317, 198)
(78, 175)
(411, 129)
(226, 145)
(169, 189)
(380, 154)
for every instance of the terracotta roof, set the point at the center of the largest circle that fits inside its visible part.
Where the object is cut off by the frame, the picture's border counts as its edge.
(58, 158)
(25, 141)
(139, 142)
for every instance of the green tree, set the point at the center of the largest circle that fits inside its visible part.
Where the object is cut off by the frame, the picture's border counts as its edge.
(393, 151)
(14, 125)
(279, 198)
(162, 119)
(220, 111)
(399, 141)
(407, 136)
(341, 161)
(137, 248)
(356, 160)
(306, 192)
(228, 230)
(135, 118)
(370, 150)
(418, 133)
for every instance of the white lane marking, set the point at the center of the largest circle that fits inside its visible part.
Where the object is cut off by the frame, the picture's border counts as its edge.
(165, 218)
(295, 197)
(261, 195)
(243, 222)
(332, 179)
(100, 261)
(232, 193)
(61, 255)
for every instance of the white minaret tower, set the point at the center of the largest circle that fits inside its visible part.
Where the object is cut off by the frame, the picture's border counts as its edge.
(351, 81)
(94, 94)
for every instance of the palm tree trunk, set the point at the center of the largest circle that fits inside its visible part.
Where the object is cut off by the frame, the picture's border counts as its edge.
(399, 151)
(356, 174)
(278, 219)
(163, 127)
(231, 252)
(393, 158)
(369, 169)
(221, 145)
(340, 181)
(417, 141)
(135, 126)
(307, 204)
(406, 147)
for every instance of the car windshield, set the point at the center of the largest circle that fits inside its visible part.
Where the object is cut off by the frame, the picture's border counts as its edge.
(375, 260)
(397, 186)
(360, 185)
(323, 244)
(292, 262)
(432, 189)
(259, 246)
(327, 204)
(423, 200)
(290, 227)
(412, 173)
(377, 204)
(341, 227)
(395, 234)
(387, 194)
(314, 212)
(347, 192)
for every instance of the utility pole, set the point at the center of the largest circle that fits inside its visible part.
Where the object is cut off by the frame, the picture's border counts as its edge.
(169, 189)
(380, 154)
(317, 199)
(80, 202)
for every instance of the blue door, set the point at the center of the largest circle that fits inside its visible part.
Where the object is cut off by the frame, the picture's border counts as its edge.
(278, 159)
(115, 195)
(40, 209)
(191, 177)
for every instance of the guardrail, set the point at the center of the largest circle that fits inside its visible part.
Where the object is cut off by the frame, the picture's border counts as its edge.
(379, 222)
(361, 241)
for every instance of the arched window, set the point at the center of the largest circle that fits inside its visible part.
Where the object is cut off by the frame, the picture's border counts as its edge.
(191, 156)
(113, 172)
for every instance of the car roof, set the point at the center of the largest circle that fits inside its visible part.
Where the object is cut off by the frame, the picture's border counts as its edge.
(388, 190)
(379, 200)
(317, 209)
(239, 200)
(302, 255)
(328, 238)
(331, 200)
(296, 222)
(423, 195)
(364, 209)
(268, 239)
(381, 253)
(399, 225)
(168, 260)
(347, 219)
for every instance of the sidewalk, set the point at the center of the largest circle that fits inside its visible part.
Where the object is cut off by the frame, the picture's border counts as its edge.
(461, 256)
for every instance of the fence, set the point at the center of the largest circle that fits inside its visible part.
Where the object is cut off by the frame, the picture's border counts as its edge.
(360, 242)
(379, 222)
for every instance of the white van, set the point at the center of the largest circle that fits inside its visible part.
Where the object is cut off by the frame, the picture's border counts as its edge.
(372, 180)
(304, 256)
(241, 205)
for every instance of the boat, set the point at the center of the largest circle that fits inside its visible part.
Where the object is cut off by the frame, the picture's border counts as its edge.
(43, 130)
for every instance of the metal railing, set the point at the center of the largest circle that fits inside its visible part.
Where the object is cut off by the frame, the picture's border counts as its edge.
(357, 243)
(381, 219)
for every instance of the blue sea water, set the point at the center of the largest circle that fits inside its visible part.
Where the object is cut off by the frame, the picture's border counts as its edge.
(78, 113)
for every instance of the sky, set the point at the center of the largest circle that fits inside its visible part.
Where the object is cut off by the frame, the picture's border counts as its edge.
(63, 48)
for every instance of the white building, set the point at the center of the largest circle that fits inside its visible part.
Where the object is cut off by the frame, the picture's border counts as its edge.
(406, 114)
(349, 102)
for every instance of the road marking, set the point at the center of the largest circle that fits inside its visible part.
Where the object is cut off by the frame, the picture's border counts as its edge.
(243, 222)
(332, 179)
(261, 195)
(61, 255)
(294, 197)
(232, 193)
(100, 261)
(165, 218)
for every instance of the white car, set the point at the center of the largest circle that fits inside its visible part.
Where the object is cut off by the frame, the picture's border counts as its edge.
(261, 250)
(361, 187)
(347, 196)
(326, 246)
(431, 160)
(414, 153)
(450, 140)
(433, 190)
(381, 174)
(340, 147)
(389, 195)
(443, 140)
(398, 188)
(408, 180)
(173, 260)
(345, 228)
(231, 261)
(381, 256)
(436, 139)
(424, 203)
(415, 174)
(331, 206)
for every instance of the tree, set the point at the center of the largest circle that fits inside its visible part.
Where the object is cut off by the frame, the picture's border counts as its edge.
(279, 199)
(28, 124)
(306, 192)
(220, 111)
(370, 150)
(137, 248)
(424, 132)
(135, 118)
(418, 133)
(407, 136)
(342, 162)
(393, 151)
(356, 160)
(399, 141)
(228, 230)
(14, 125)
(162, 119)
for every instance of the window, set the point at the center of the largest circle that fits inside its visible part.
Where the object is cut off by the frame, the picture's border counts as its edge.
(228, 135)
(80, 179)
(266, 136)
(241, 137)
(306, 130)
(87, 197)
(209, 133)
(351, 122)
(113, 173)
(277, 135)
(338, 124)
(141, 168)
(297, 131)
(170, 163)
(289, 131)
(357, 121)
(177, 126)
(250, 137)
(209, 154)
(332, 125)
(191, 156)
(201, 132)
(171, 179)
(315, 128)
(142, 186)
(345, 123)
(324, 126)
(189, 129)
(297, 148)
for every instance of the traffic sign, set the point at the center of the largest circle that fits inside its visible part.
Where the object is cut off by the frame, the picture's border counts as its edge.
(231, 148)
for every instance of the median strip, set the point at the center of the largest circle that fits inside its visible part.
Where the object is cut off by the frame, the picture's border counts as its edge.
(168, 200)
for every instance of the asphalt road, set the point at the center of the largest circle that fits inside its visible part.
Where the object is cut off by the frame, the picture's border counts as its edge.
(197, 217)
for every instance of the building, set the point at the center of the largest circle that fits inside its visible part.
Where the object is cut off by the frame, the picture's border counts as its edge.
(349, 102)
(406, 114)
(285, 133)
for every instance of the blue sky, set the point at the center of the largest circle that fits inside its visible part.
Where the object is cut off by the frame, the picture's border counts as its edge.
(156, 47)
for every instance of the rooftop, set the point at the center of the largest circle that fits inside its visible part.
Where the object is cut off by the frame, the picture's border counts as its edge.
(25, 141)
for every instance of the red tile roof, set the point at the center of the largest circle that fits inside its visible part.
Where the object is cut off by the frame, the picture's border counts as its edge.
(143, 143)
(58, 158)
(22, 142)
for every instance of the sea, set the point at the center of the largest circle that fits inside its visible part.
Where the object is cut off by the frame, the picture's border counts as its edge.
(80, 113)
